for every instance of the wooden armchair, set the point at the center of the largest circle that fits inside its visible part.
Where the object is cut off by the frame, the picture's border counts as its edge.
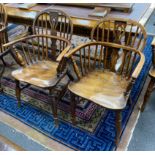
(107, 87)
(40, 65)
(121, 31)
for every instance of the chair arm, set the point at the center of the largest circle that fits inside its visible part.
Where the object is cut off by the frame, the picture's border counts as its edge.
(59, 58)
(33, 36)
(61, 55)
(71, 52)
(139, 67)
(135, 74)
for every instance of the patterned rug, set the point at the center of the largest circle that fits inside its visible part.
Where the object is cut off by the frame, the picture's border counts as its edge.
(95, 129)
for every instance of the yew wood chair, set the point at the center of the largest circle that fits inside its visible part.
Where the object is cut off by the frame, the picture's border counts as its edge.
(121, 31)
(92, 80)
(40, 66)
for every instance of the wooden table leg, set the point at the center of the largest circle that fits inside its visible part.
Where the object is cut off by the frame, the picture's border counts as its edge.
(148, 93)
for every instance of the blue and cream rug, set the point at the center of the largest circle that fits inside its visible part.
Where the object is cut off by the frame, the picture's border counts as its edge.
(95, 129)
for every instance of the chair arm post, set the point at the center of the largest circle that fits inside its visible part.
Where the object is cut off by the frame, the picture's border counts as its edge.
(68, 72)
(62, 69)
(59, 58)
(129, 87)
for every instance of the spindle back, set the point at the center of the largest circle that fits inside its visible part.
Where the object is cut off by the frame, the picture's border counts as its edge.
(121, 31)
(35, 48)
(53, 22)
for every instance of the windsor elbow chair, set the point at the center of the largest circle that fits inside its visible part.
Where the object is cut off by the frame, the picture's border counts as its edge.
(107, 87)
(39, 66)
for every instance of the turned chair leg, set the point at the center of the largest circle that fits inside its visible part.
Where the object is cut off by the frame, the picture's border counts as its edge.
(148, 93)
(118, 126)
(73, 108)
(18, 92)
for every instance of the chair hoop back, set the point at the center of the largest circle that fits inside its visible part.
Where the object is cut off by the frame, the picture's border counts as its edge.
(53, 22)
(121, 31)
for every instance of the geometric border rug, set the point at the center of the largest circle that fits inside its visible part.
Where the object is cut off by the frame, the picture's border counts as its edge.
(102, 138)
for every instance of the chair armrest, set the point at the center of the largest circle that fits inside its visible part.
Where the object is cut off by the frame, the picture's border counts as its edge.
(27, 38)
(59, 58)
(11, 43)
(135, 74)
(139, 67)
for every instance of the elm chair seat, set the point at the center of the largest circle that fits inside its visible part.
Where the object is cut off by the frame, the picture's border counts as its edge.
(103, 88)
(41, 66)
(42, 74)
